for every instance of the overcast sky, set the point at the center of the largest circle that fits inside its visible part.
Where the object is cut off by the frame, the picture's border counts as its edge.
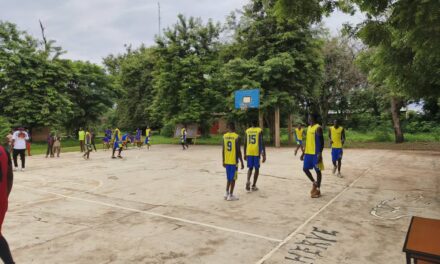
(93, 29)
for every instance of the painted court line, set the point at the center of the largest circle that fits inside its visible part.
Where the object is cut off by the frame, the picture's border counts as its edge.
(296, 231)
(156, 214)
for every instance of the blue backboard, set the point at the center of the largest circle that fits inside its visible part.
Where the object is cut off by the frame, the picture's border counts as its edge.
(247, 98)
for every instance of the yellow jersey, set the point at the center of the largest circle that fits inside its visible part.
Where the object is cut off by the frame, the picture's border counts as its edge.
(230, 148)
(81, 135)
(253, 144)
(299, 133)
(117, 135)
(311, 140)
(147, 132)
(336, 136)
(183, 132)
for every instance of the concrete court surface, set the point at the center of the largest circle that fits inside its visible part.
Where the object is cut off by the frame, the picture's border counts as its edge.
(166, 206)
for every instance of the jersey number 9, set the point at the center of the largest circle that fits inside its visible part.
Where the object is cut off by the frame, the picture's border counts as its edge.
(229, 145)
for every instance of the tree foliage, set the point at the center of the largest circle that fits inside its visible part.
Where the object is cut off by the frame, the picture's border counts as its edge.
(37, 88)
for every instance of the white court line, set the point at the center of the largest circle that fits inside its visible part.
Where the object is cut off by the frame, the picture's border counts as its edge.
(157, 215)
(296, 231)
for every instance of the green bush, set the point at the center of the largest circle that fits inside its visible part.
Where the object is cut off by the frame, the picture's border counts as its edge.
(382, 136)
(168, 130)
(5, 128)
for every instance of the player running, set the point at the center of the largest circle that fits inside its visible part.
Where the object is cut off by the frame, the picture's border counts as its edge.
(337, 139)
(148, 137)
(231, 156)
(299, 133)
(6, 180)
(183, 135)
(253, 149)
(312, 155)
(117, 143)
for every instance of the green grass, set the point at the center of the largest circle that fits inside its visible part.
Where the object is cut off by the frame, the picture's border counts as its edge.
(354, 139)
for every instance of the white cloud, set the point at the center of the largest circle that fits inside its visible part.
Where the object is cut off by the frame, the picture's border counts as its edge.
(93, 29)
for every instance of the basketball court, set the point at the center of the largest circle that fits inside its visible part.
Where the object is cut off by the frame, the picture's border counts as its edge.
(166, 206)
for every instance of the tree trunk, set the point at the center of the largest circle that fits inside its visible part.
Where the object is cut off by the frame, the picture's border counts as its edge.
(396, 104)
(277, 127)
(260, 119)
(289, 129)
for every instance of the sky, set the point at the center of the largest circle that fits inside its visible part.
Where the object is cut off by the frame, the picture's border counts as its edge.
(92, 29)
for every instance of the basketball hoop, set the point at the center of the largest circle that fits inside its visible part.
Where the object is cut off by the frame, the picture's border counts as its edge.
(245, 102)
(244, 106)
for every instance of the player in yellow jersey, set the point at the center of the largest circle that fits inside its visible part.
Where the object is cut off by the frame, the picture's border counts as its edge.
(183, 134)
(336, 135)
(231, 156)
(299, 134)
(312, 155)
(148, 137)
(117, 143)
(253, 150)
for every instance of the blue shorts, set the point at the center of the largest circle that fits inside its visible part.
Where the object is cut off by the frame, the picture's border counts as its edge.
(116, 145)
(231, 172)
(311, 162)
(336, 154)
(147, 140)
(253, 162)
(299, 142)
(183, 139)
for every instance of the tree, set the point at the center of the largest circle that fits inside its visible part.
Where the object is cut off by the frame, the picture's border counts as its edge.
(91, 92)
(404, 35)
(30, 83)
(287, 57)
(187, 58)
(341, 76)
(133, 75)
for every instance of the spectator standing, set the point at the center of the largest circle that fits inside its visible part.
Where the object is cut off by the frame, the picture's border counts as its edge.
(19, 147)
(56, 145)
(49, 150)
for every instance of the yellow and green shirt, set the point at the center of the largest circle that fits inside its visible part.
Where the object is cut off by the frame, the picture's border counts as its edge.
(253, 144)
(336, 136)
(230, 148)
(311, 140)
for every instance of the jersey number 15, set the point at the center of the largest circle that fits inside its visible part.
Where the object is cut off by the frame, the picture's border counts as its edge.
(252, 139)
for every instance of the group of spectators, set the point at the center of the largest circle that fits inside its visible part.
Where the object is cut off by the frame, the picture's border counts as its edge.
(53, 145)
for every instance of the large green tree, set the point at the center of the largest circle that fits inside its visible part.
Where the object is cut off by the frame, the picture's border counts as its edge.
(286, 56)
(133, 75)
(404, 35)
(187, 58)
(31, 81)
(90, 91)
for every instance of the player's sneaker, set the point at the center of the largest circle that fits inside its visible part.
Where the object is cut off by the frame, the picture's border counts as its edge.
(254, 188)
(226, 195)
(313, 189)
(232, 198)
(15, 168)
(317, 194)
(22, 169)
(334, 170)
(339, 175)
(248, 186)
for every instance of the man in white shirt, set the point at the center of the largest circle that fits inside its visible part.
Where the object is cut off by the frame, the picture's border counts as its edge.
(19, 139)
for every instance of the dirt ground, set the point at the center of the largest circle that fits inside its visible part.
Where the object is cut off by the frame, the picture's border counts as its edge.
(166, 206)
